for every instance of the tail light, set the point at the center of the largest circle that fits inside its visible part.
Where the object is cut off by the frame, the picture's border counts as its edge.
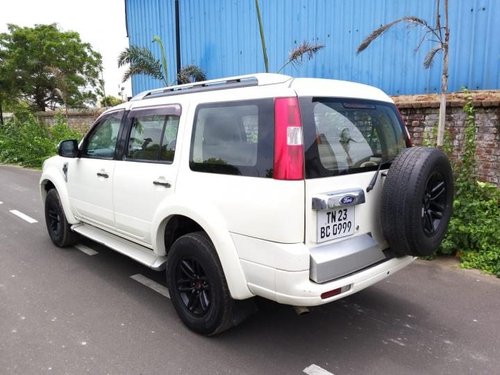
(288, 140)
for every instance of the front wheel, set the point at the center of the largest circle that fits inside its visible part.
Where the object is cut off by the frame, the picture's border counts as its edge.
(197, 285)
(58, 227)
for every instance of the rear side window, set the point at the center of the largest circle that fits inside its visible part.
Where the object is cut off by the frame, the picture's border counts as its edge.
(234, 138)
(349, 136)
(153, 135)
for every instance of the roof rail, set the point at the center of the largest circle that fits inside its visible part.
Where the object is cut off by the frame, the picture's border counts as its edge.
(258, 79)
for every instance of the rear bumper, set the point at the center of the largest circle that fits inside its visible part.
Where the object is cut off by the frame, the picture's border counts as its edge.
(283, 274)
(295, 288)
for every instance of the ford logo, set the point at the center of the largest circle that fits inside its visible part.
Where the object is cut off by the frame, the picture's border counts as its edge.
(348, 199)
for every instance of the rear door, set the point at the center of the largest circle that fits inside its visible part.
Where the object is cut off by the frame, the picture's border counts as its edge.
(146, 175)
(347, 141)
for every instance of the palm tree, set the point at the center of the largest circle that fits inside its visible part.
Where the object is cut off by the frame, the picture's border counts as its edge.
(142, 61)
(191, 73)
(438, 34)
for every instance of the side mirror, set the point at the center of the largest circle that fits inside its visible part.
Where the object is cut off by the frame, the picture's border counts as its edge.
(68, 149)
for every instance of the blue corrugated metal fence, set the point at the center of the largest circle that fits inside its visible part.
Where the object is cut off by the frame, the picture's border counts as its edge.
(222, 37)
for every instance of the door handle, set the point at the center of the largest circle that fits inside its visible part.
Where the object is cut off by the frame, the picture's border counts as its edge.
(162, 183)
(102, 174)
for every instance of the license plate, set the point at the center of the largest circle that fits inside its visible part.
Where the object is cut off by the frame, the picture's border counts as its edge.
(333, 224)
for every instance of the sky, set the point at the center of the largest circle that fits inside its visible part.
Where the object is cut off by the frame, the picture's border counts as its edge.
(99, 22)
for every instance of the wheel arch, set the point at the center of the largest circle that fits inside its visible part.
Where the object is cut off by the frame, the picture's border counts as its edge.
(185, 218)
(50, 181)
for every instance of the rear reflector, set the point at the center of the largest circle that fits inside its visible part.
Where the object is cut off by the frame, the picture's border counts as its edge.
(335, 292)
(331, 293)
(288, 140)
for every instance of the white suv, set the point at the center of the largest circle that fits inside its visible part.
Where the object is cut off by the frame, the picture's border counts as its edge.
(260, 185)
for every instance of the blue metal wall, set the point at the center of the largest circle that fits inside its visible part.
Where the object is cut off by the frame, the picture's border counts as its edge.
(222, 37)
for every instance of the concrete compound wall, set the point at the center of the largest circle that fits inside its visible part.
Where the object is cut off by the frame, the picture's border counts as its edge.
(80, 120)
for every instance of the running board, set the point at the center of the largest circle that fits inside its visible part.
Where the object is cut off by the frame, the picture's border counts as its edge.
(137, 252)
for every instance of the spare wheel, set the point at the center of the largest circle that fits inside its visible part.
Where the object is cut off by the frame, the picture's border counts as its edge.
(417, 201)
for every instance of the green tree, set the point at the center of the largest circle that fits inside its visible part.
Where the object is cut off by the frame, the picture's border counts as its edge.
(47, 67)
(110, 101)
(438, 34)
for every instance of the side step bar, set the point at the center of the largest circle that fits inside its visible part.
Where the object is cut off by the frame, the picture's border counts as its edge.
(137, 252)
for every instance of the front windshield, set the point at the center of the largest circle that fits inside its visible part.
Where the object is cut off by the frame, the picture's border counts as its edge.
(351, 136)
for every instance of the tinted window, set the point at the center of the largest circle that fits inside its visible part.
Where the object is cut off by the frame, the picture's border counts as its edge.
(102, 139)
(153, 135)
(348, 136)
(234, 138)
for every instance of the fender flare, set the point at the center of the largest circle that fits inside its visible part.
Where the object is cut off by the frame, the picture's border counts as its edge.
(216, 230)
(53, 176)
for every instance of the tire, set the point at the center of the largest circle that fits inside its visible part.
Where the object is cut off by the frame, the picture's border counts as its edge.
(417, 201)
(197, 285)
(58, 227)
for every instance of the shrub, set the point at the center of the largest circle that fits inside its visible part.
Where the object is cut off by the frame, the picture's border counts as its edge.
(473, 233)
(27, 142)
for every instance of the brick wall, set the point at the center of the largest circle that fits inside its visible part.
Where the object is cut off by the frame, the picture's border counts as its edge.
(77, 119)
(420, 113)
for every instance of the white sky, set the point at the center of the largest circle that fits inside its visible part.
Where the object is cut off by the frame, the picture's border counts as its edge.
(99, 22)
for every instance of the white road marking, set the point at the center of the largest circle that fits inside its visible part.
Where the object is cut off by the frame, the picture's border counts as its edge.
(23, 216)
(86, 250)
(316, 370)
(1, 202)
(151, 284)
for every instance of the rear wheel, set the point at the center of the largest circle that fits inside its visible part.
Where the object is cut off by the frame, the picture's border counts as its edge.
(197, 285)
(58, 227)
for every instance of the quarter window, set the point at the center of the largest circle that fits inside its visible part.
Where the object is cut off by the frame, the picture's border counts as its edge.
(234, 138)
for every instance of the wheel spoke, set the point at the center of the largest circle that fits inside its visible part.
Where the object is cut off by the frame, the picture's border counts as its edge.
(428, 227)
(204, 301)
(436, 214)
(187, 269)
(193, 301)
(437, 191)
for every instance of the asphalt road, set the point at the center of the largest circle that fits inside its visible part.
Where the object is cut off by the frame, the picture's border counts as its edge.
(66, 311)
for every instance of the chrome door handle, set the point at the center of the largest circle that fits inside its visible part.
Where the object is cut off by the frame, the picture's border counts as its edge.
(162, 183)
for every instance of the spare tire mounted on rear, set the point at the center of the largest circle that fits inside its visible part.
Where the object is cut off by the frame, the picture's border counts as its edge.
(417, 201)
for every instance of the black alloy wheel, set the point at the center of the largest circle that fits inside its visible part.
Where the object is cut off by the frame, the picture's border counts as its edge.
(57, 225)
(197, 285)
(434, 203)
(193, 286)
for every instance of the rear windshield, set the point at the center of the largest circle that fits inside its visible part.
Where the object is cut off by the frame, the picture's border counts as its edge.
(345, 136)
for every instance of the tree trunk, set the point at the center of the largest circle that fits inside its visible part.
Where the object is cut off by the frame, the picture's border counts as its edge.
(1, 114)
(262, 37)
(444, 81)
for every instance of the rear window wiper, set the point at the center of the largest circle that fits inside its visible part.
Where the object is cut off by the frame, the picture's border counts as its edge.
(373, 181)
